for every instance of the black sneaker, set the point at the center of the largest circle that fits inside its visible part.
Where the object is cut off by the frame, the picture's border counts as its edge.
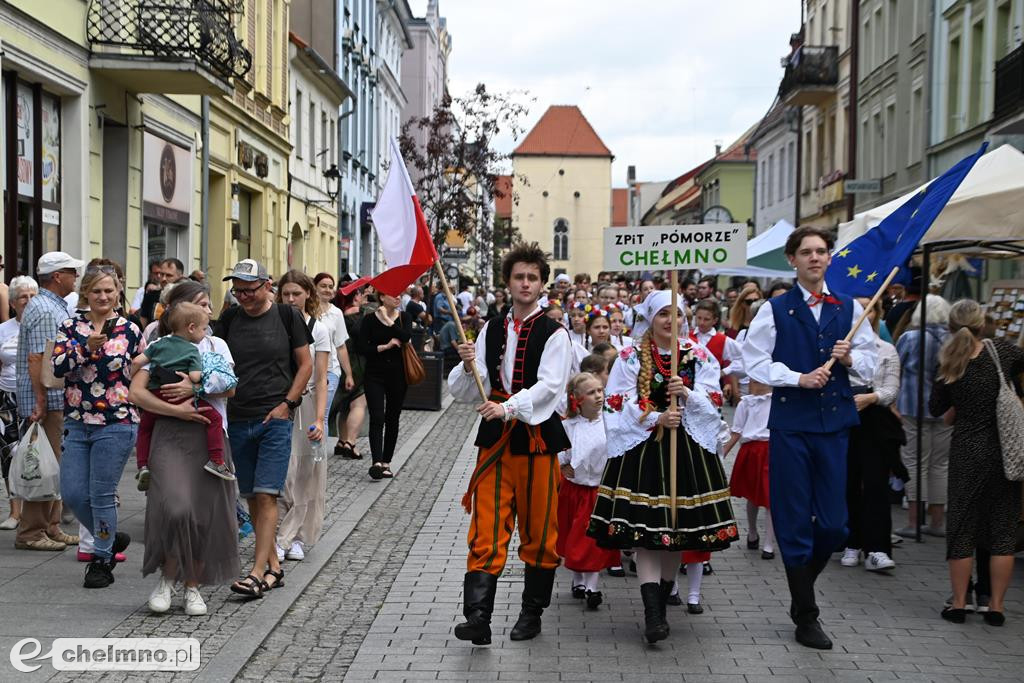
(99, 574)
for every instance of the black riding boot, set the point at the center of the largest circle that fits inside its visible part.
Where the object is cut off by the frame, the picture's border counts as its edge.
(804, 610)
(655, 626)
(536, 596)
(478, 603)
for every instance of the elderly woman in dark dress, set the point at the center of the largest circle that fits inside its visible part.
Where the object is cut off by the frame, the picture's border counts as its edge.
(984, 506)
(191, 528)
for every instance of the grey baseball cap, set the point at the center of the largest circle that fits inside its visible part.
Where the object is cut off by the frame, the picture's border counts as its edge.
(248, 270)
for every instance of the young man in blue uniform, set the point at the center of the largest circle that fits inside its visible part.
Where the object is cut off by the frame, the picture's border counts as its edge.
(790, 339)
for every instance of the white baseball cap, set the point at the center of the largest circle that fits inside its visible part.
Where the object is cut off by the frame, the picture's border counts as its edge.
(562, 277)
(52, 261)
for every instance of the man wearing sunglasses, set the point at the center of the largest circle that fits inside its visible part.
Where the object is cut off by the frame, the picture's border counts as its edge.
(273, 364)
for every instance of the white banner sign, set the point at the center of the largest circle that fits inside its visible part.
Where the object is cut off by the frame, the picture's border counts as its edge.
(675, 247)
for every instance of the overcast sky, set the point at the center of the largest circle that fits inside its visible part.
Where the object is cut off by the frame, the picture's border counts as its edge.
(660, 80)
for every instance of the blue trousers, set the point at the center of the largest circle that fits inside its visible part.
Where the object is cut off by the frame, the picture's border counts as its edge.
(808, 494)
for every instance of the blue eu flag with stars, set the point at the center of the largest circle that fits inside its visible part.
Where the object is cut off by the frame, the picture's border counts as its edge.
(859, 268)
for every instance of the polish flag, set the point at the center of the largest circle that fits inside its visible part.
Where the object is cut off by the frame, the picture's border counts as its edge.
(402, 232)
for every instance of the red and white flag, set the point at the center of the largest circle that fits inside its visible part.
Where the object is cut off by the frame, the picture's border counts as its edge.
(402, 232)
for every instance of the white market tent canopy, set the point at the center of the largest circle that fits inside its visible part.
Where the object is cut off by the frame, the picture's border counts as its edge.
(765, 256)
(987, 207)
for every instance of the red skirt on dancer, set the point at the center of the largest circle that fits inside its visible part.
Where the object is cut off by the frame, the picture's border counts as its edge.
(580, 552)
(750, 473)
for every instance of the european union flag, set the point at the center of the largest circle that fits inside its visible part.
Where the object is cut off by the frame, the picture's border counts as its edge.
(860, 267)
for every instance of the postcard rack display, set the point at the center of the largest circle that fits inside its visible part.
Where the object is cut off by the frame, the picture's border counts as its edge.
(1006, 306)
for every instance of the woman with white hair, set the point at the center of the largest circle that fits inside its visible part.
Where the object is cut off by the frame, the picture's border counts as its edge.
(935, 434)
(22, 288)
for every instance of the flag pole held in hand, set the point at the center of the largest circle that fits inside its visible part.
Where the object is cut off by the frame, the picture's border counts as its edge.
(864, 313)
(458, 325)
(673, 435)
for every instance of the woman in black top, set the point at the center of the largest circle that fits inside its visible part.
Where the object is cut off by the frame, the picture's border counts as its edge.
(380, 339)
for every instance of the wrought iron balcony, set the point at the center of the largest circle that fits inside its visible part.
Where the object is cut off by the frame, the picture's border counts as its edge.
(167, 46)
(1009, 97)
(812, 73)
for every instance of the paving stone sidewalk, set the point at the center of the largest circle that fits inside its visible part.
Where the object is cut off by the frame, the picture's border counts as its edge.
(886, 627)
(41, 594)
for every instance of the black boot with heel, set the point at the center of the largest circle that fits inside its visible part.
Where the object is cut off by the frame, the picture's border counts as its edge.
(478, 604)
(536, 596)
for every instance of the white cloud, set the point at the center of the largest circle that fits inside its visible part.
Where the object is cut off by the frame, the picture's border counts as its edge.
(661, 81)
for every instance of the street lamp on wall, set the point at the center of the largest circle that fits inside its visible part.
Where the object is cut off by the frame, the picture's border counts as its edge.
(333, 178)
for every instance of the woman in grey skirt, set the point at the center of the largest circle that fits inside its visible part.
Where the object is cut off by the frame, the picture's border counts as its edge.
(191, 528)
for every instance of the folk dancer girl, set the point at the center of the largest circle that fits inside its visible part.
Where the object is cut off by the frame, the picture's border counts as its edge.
(582, 466)
(632, 509)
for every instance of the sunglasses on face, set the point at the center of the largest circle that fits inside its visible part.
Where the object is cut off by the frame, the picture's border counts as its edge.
(242, 292)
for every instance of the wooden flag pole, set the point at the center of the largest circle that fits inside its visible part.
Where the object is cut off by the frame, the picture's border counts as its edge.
(867, 309)
(673, 434)
(458, 323)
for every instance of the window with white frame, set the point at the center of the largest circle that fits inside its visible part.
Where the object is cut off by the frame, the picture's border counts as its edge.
(560, 252)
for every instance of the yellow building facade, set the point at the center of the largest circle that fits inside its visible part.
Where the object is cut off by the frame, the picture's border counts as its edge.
(562, 176)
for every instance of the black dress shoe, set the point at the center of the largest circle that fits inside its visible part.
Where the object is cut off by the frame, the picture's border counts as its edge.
(767, 555)
(579, 592)
(752, 545)
(617, 572)
(594, 599)
(694, 608)
(812, 635)
(957, 616)
(993, 618)
(674, 600)
(707, 570)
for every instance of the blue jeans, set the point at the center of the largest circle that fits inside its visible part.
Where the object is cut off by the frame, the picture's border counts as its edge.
(90, 470)
(333, 380)
(261, 453)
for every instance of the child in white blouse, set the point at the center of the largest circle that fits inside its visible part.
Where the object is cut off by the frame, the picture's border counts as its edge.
(582, 467)
(750, 472)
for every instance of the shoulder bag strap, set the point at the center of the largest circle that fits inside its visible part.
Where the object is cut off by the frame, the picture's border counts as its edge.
(995, 358)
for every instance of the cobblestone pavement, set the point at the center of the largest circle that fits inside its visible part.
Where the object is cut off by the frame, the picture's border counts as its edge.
(42, 594)
(886, 627)
(319, 636)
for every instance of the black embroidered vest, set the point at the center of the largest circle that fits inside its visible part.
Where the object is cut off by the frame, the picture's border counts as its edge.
(533, 335)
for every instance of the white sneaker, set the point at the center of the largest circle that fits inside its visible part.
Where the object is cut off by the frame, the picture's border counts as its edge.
(280, 553)
(851, 557)
(160, 598)
(194, 605)
(9, 524)
(876, 562)
(295, 552)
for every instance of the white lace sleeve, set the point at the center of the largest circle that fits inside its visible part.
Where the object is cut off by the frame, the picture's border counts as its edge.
(622, 425)
(701, 419)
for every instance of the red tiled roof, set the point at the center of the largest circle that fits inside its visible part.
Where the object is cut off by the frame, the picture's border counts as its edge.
(563, 130)
(620, 206)
(503, 203)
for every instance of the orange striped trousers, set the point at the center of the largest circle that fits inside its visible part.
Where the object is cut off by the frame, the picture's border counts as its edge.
(507, 487)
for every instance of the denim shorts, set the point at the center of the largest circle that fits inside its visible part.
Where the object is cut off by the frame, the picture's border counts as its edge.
(261, 453)
(333, 380)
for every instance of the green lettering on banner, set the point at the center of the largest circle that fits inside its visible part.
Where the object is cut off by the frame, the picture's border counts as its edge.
(700, 256)
(719, 255)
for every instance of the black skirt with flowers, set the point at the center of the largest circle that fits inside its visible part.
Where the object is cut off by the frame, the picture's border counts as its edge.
(633, 501)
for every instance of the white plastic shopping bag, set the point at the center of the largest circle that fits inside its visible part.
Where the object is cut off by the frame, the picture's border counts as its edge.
(35, 472)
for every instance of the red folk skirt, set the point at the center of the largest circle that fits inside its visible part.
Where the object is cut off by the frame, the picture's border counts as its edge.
(580, 552)
(750, 473)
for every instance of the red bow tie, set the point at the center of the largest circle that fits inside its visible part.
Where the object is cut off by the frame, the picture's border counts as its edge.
(516, 325)
(818, 298)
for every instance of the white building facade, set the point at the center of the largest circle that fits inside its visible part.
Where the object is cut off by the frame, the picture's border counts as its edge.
(775, 145)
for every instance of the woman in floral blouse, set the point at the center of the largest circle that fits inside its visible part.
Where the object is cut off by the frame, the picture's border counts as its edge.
(93, 354)
(633, 509)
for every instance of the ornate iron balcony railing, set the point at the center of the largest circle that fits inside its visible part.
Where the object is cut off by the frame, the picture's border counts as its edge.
(811, 65)
(178, 30)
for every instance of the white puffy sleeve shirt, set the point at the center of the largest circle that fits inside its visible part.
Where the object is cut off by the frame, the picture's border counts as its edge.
(623, 426)
(531, 405)
(589, 451)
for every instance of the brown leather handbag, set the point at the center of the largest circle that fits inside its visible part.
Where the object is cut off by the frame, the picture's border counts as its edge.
(414, 372)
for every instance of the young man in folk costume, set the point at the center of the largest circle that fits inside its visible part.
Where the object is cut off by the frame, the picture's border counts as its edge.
(789, 341)
(524, 360)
